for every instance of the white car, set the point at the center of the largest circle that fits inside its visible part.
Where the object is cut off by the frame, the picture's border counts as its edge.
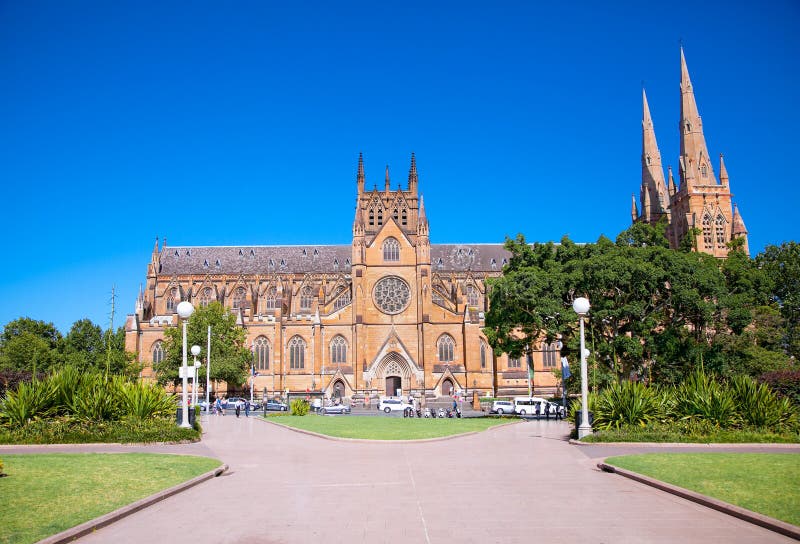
(501, 407)
(335, 409)
(388, 404)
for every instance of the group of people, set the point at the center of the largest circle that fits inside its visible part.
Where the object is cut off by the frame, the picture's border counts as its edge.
(220, 404)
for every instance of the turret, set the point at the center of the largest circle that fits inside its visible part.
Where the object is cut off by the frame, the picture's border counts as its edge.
(695, 164)
(723, 172)
(388, 182)
(360, 174)
(739, 229)
(634, 211)
(412, 176)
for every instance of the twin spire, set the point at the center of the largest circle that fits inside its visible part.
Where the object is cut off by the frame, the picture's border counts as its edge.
(413, 178)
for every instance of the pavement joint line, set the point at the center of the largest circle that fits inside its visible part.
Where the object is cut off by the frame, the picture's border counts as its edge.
(776, 525)
(377, 441)
(107, 519)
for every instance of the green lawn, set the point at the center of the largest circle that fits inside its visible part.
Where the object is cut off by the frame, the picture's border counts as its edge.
(386, 428)
(46, 494)
(768, 483)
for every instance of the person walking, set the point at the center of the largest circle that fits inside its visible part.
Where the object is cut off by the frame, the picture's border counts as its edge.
(247, 408)
(238, 409)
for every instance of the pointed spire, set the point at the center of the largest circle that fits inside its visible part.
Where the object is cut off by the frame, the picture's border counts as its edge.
(654, 189)
(422, 220)
(358, 222)
(634, 211)
(388, 183)
(155, 247)
(412, 175)
(360, 175)
(422, 216)
(738, 223)
(723, 172)
(695, 165)
(672, 189)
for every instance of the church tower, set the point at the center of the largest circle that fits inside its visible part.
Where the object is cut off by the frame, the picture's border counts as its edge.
(700, 206)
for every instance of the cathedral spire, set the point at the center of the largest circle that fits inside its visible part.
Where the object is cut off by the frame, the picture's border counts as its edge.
(388, 183)
(654, 190)
(723, 172)
(412, 175)
(671, 186)
(360, 175)
(695, 164)
(739, 230)
(634, 211)
(358, 222)
(422, 220)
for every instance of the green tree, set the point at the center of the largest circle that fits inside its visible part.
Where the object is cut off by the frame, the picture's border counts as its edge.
(83, 346)
(27, 343)
(781, 264)
(230, 359)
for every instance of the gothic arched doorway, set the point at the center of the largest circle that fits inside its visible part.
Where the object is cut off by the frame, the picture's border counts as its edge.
(447, 387)
(393, 384)
(338, 389)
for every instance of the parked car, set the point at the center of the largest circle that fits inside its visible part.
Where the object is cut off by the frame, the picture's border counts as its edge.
(275, 406)
(335, 409)
(502, 407)
(389, 404)
(232, 402)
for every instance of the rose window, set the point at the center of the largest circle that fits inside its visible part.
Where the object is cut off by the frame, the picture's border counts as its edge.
(392, 295)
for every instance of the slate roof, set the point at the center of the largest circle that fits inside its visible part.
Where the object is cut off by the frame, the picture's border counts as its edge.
(326, 259)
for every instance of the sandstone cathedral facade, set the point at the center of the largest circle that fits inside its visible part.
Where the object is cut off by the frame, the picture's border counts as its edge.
(392, 313)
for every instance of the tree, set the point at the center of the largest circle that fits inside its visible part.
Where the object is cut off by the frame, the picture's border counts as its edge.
(781, 264)
(84, 347)
(230, 359)
(28, 344)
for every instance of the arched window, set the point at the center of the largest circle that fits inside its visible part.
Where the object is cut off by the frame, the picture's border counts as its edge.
(261, 353)
(708, 240)
(158, 352)
(297, 352)
(206, 296)
(445, 348)
(371, 218)
(484, 351)
(472, 295)
(338, 350)
(343, 300)
(239, 298)
(272, 296)
(514, 362)
(391, 250)
(720, 228)
(306, 296)
(172, 300)
(549, 354)
(704, 170)
(380, 217)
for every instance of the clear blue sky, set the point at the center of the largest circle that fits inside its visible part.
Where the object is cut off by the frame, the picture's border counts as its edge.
(228, 123)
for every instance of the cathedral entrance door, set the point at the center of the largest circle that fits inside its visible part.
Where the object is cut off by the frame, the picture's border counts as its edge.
(393, 383)
(447, 387)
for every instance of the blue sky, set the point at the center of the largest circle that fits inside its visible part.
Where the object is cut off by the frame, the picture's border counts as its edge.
(240, 123)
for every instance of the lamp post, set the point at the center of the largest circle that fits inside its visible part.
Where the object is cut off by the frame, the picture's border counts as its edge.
(195, 353)
(581, 307)
(208, 371)
(185, 310)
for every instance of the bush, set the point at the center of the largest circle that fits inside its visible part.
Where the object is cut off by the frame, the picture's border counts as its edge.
(65, 430)
(299, 407)
(629, 403)
(785, 383)
(141, 400)
(1, 468)
(759, 406)
(703, 398)
(30, 401)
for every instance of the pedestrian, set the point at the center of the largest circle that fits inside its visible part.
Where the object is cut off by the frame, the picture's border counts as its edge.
(238, 409)
(455, 404)
(247, 408)
(218, 407)
(547, 412)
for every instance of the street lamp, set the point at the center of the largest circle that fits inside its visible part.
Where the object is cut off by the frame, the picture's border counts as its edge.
(185, 310)
(581, 307)
(195, 353)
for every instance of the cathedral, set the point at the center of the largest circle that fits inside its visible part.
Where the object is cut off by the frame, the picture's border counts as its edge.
(701, 206)
(391, 313)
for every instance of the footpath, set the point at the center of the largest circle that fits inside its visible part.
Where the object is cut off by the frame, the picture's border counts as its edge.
(513, 484)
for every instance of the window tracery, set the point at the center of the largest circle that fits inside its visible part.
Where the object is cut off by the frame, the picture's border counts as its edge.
(158, 352)
(445, 348)
(391, 249)
(261, 353)
(338, 350)
(297, 352)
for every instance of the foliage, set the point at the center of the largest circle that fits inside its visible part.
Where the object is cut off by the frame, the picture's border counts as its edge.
(1, 468)
(759, 406)
(10, 379)
(299, 407)
(782, 265)
(700, 396)
(785, 383)
(230, 359)
(29, 402)
(629, 403)
(95, 399)
(53, 492)
(692, 432)
(67, 430)
(768, 483)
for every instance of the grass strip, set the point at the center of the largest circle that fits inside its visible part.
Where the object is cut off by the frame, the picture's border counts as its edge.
(45, 494)
(767, 483)
(386, 428)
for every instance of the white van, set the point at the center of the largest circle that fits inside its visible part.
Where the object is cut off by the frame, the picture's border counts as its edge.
(389, 404)
(528, 406)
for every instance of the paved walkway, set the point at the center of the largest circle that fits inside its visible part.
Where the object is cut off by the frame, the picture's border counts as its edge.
(518, 483)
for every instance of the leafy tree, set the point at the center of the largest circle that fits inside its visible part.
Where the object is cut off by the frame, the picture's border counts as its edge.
(781, 265)
(230, 359)
(84, 347)
(28, 344)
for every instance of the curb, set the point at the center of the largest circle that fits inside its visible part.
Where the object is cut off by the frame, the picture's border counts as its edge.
(776, 525)
(107, 519)
(374, 441)
(698, 445)
(78, 445)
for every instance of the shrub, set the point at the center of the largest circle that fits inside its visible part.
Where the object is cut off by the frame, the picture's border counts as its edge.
(785, 383)
(28, 402)
(759, 406)
(95, 399)
(701, 397)
(65, 382)
(64, 430)
(299, 407)
(629, 403)
(145, 400)
(1, 468)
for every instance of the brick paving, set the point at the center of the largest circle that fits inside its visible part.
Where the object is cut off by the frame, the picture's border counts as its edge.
(514, 484)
